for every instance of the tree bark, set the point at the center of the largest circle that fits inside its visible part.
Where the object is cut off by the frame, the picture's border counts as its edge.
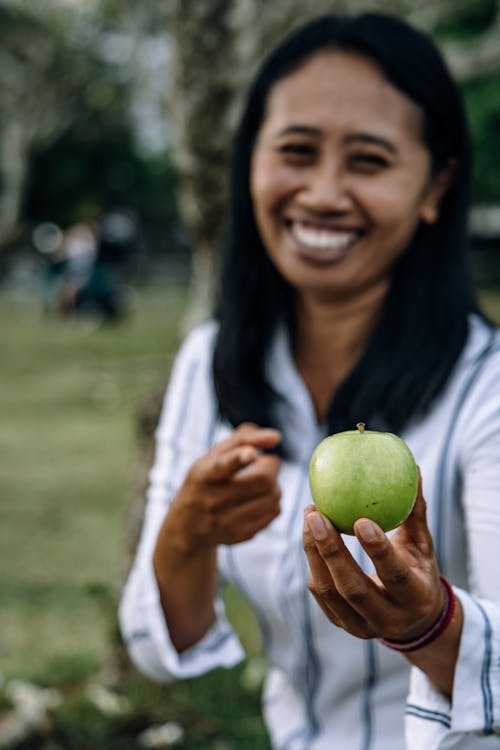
(202, 97)
(13, 171)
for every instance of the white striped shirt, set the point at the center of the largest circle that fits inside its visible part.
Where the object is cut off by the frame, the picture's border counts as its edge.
(325, 689)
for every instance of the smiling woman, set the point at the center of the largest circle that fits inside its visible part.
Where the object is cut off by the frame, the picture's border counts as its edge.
(344, 296)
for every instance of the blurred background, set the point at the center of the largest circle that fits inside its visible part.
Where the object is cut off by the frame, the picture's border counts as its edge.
(115, 123)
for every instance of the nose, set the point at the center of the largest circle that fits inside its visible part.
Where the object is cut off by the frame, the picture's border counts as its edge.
(326, 189)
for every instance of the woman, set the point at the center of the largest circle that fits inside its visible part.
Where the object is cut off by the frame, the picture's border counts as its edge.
(344, 296)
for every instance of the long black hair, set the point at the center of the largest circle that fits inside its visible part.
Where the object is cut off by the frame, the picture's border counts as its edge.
(424, 322)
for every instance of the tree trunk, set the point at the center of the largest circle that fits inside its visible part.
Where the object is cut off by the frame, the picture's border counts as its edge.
(203, 94)
(13, 170)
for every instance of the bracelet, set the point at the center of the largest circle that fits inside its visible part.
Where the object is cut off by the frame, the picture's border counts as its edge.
(436, 630)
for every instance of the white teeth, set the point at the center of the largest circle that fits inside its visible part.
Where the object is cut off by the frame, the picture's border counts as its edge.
(323, 239)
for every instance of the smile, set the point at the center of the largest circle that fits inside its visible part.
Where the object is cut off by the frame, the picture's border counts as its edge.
(327, 243)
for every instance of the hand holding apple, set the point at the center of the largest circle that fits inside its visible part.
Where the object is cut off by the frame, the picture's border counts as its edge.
(400, 601)
(363, 473)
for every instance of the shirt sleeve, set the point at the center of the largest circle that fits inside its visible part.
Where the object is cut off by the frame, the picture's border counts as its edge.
(435, 723)
(432, 721)
(184, 433)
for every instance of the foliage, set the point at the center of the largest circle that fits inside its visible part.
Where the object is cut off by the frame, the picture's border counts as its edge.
(93, 92)
(72, 79)
(483, 105)
(92, 171)
(49, 73)
(466, 30)
(465, 23)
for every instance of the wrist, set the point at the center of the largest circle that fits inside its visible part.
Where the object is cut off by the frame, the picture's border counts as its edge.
(177, 543)
(436, 630)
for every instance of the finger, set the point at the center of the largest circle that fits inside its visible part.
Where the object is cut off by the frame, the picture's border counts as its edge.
(415, 588)
(225, 465)
(349, 580)
(408, 589)
(241, 522)
(243, 489)
(260, 437)
(393, 570)
(232, 482)
(322, 585)
(264, 469)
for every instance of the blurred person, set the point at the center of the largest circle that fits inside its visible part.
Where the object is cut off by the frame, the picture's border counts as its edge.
(80, 246)
(69, 257)
(104, 292)
(48, 241)
(345, 296)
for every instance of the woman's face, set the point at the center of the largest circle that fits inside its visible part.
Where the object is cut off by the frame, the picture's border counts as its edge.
(340, 175)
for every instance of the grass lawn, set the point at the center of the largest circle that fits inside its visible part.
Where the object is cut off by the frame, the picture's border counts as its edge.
(70, 466)
(69, 398)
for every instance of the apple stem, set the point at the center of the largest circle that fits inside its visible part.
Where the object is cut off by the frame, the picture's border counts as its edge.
(361, 426)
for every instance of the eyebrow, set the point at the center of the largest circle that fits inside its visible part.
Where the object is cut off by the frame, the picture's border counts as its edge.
(299, 130)
(367, 138)
(375, 140)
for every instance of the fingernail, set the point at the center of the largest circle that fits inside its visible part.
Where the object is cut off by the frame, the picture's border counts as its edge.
(367, 530)
(317, 526)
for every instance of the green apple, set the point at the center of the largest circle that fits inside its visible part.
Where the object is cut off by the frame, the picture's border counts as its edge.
(363, 474)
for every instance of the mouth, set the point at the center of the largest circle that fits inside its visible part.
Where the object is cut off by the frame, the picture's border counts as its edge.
(320, 243)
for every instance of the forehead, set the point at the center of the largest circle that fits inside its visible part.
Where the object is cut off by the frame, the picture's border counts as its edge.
(341, 89)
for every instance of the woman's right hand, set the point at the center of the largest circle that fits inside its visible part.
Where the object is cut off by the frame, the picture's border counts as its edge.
(229, 494)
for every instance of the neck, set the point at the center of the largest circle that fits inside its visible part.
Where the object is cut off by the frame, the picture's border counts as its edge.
(331, 336)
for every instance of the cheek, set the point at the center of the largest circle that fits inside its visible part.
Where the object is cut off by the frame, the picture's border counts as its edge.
(259, 189)
(267, 197)
(270, 183)
(397, 207)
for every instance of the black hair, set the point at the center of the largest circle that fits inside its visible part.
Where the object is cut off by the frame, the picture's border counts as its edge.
(424, 321)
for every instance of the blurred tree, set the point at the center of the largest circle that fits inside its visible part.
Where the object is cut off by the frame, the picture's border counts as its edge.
(469, 34)
(471, 39)
(94, 167)
(205, 80)
(483, 103)
(178, 70)
(50, 73)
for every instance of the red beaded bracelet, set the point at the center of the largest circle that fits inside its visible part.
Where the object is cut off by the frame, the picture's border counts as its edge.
(437, 629)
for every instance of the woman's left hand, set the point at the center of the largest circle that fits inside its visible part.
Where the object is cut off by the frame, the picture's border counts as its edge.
(401, 601)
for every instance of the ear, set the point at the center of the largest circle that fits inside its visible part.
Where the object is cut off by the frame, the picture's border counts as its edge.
(435, 192)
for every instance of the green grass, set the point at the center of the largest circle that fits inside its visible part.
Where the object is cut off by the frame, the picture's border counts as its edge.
(69, 400)
(71, 464)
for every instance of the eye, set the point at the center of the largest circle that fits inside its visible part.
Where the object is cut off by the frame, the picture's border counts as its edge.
(369, 162)
(298, 151)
